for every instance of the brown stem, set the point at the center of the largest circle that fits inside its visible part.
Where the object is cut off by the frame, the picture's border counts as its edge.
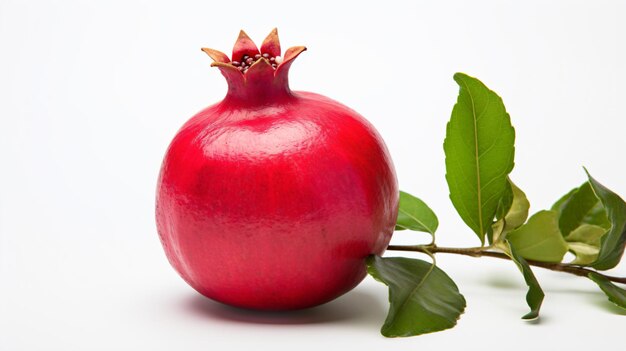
(480, 252)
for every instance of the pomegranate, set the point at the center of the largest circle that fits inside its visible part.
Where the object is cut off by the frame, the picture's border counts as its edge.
(272, 199)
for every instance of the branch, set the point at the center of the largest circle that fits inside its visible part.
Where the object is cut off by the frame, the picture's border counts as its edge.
(480, 252)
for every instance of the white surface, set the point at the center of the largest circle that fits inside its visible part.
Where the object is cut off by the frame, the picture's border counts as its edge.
(92, 93)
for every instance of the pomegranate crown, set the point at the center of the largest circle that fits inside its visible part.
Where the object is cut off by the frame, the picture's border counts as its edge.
(251, 68)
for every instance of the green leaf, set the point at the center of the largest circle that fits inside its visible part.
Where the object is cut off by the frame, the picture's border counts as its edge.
(535, 295)
(539, 239)
(506, 201)
(584, 242)
(414, 214)
(616, 295)
(559, 203)
(598, 216)
(423, 299)
(515, 215)
(518, 213)
(495, 231)
(587, 233)
(581, 207)
(585, 253)
(479, 153)
(612, 243)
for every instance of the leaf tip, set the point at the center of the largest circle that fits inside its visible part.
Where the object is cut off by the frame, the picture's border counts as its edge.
(531, 317)
(459, 76)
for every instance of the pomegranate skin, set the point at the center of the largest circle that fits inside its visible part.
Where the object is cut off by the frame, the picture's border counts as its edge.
(275, 205)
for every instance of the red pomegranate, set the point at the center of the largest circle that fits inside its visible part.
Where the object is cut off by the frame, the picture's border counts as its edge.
(272, 199)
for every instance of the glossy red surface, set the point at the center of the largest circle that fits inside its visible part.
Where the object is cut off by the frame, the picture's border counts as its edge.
(274, 202)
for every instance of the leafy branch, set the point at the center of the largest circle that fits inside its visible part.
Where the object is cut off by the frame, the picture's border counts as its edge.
(589, 221)
(481, 252)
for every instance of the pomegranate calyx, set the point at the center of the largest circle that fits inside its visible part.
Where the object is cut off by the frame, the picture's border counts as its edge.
(258, 75)
(216, 55)
(282, 71)
(246, 53)
(254, 76)
(233, 76)
(271, 44)
(244, 46)
(293, 52)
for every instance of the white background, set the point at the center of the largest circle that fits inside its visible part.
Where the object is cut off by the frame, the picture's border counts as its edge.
(91, 93)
